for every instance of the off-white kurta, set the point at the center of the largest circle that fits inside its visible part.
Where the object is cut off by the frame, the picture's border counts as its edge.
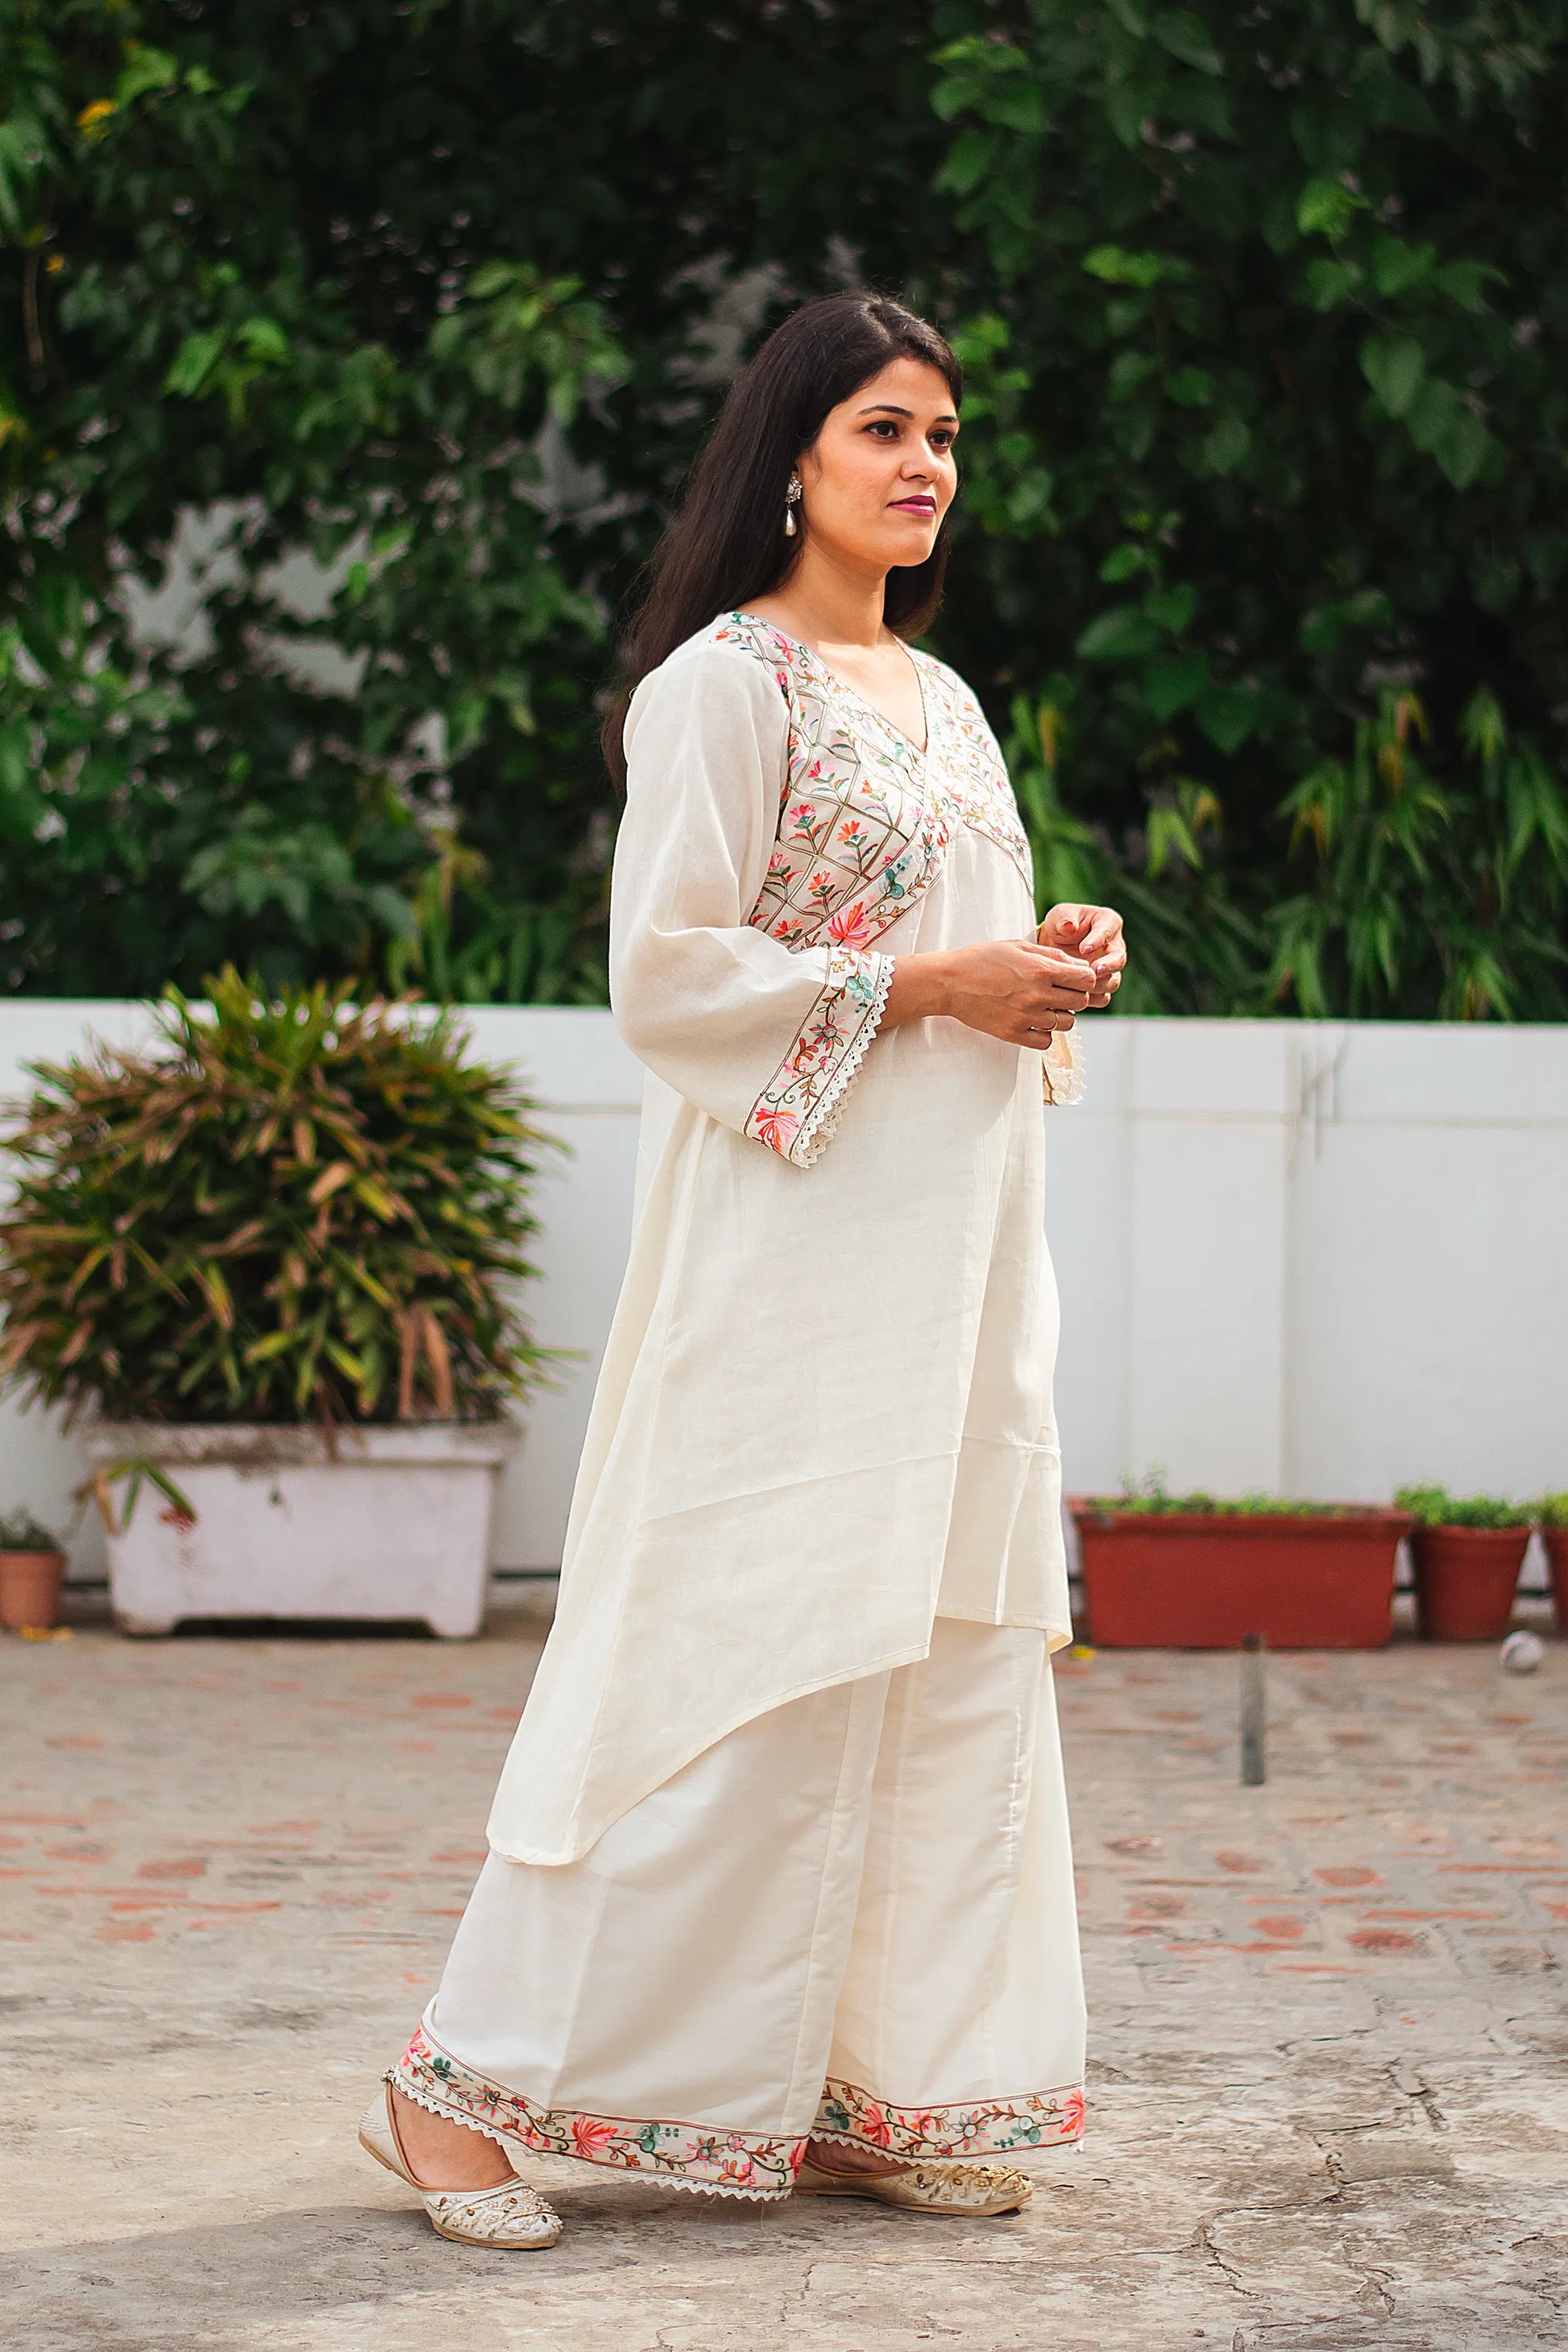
(824, 1417)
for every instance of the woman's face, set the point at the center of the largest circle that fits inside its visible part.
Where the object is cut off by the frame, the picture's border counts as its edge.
(882, 474)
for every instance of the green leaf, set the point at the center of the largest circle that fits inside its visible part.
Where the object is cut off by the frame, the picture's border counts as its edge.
(1326, 284)
(1190, 387)
(1397, 266)
(144, 69)
(272, 1344)
(1465, 282)
(1171, 682)
(264, 338)
(1227, 445)
(1116, 266)
(1465, 449)
(1123, 562)
(1130, 372)
(1172, 608)
(1017, 103)
(1326, 207)
(1323, 627)
(1186, 36)
(1228, 714)
(969, 159)
(1435, 413)
(1393, 365)
(195, 361)
(1170, 839)
(1121, 635)
(16, 761)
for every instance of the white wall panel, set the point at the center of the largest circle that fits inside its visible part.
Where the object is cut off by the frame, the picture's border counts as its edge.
(1315, 1257)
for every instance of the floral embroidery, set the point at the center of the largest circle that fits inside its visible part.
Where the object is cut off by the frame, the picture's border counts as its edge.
(757, 2165)
(797, 1109)
(696, 2156)
(865, 814)
(971, 2127)
(865, 825)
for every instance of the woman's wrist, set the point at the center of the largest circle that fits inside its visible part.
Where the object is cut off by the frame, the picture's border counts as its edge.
(921, 985)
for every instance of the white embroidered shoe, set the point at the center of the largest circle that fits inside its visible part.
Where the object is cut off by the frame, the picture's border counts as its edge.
(511, 2216)
(952, 2188)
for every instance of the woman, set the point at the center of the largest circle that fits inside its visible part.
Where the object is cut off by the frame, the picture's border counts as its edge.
(779, 1892)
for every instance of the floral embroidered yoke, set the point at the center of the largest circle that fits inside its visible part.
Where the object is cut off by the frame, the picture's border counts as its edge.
(857, 823)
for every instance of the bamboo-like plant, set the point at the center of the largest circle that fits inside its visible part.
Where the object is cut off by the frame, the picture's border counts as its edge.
(302, 1210)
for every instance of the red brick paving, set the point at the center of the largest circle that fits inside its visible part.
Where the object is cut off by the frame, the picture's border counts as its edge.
(1326, 2088)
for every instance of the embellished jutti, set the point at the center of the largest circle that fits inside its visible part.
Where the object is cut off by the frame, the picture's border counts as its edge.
(781, 1844)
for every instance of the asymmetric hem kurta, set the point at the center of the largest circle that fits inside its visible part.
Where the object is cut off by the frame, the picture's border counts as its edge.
(823, 1418)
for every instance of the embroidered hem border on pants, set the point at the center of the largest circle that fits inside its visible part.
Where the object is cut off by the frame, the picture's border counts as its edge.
(852, 1920)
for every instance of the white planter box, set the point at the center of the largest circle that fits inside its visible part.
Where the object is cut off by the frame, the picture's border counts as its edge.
(395, 1526)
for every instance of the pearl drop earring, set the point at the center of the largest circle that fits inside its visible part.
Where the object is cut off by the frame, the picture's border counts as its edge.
(792, 499)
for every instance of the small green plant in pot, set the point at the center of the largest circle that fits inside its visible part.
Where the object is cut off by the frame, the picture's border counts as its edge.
(285, 1241)
(32, 1569)
(1551, 1515)
(1467, 1551)
(1201, 1571)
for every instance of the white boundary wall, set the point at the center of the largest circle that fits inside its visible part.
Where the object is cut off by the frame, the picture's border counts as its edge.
(1317, 1258)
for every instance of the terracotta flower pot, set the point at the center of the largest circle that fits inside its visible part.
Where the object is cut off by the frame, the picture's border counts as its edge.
(30, 1588)
(1197, 1581)
(1465, 1579)
(1555, 1542)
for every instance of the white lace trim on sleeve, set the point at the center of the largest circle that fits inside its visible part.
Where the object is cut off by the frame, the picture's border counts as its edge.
(1062, 1069)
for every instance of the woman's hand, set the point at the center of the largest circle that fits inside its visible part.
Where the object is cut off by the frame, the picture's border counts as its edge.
(1095, 934)
(1018, 990)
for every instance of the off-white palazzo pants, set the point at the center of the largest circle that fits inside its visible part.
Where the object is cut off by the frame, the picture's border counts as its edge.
(851, 1917)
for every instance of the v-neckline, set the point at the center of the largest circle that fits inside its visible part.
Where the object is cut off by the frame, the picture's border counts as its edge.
(845, 687)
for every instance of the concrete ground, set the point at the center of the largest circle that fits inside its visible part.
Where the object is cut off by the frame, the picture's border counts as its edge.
(1327, 2094)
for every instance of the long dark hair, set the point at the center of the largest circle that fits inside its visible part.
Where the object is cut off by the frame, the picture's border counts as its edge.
(726, 543)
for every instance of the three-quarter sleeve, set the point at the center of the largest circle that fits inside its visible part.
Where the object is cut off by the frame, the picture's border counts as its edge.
(765, 1038)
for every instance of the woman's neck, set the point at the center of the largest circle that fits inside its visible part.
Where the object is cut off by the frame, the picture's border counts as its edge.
(828, 605)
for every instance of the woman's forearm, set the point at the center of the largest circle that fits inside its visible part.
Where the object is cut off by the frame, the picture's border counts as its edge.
(1013, 989)
(921, 985)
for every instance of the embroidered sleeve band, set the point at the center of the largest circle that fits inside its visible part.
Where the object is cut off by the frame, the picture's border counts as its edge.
(797, 1109)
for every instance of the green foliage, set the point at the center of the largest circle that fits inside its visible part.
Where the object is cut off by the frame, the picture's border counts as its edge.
(20, 1531)
(1149, 1499)
(203, 324)
(440, 296)
(303, 1209)
(1262, 539)
(1550, 1510)
(1269, 466)
(1433, 1507)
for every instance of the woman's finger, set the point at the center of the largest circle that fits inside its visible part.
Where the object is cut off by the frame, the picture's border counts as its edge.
(1063, 926)
(1065, 965)
(1103, 936)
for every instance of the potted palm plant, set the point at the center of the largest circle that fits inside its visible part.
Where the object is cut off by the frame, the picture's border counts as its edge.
(1196, 1572)
(1467, 1551)
(271, 1264)
(32, 1569)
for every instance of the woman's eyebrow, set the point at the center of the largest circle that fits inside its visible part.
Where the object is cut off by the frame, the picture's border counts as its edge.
(891, 408)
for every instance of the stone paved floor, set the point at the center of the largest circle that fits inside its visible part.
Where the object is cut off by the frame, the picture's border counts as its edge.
(1327, 2104)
